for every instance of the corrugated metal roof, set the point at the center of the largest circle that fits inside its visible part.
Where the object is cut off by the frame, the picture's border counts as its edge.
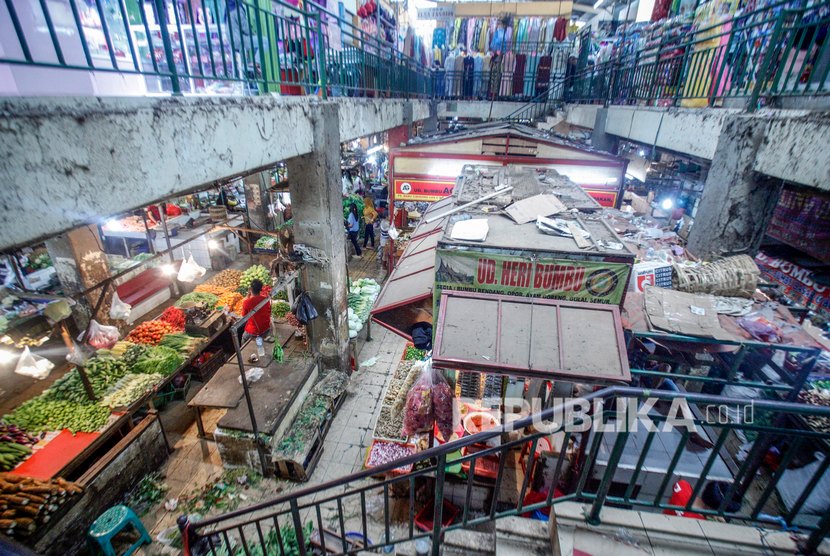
(530, 337)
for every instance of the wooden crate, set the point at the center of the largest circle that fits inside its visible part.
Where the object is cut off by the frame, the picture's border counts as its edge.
(207, 327)
(296, 470)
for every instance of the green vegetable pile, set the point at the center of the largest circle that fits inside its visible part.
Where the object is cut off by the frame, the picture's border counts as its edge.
(147, 493)
(279, 309)
(134, 353)
(194, 298)
(158, 360)
(223, 494)
(129, 389)
(353, 200)
(288, 536)
(413, 353)
(38, 415)
(255, 272)
(68, 388)
(12, 453)
(311, 415)
(181, 343)
(267, 242)
(102, 372)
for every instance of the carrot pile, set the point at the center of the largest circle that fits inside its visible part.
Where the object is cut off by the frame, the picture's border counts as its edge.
(150, 332)
(229, 300)
(27, 503)
(210, 288)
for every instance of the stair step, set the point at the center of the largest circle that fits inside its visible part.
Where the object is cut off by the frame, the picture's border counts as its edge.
(519, 536)
(469, 542)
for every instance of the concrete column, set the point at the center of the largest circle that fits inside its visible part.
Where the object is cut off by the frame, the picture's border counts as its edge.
(316, 201)
(737, 203)
(256, 198)
(431, 123)
(599, 138)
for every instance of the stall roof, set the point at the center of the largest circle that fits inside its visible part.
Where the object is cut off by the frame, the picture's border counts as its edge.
(530, 337)
(506, 129)
(505, 234)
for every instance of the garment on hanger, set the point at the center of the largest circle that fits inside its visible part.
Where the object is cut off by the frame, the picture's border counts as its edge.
(459, 73)
(478, 75)
(530, 75)
(508, 66)
(439, 37)
(519, 74)
(484, 36)
(449, 73)
(469, 75)
(543, 74)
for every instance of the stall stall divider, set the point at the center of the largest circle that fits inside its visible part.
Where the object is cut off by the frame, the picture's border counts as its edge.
(163, 214)
(150, 246)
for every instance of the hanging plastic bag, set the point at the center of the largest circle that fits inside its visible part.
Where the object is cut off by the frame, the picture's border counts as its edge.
(761, 328)
(33, 366)
(119, 310)
(304, 309)
(190, 271)
(394, 233)
(442, 405)
(101, 336)
(417, 413)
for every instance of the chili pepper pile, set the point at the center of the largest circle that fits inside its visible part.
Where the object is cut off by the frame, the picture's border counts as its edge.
(174, 316)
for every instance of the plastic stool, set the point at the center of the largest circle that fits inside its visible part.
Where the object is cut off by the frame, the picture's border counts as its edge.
(112, 522)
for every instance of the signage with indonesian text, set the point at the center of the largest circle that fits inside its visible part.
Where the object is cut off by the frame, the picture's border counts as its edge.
(423, 190)
(798, 282)
(440, 12)
(589, 281)
(604, 198)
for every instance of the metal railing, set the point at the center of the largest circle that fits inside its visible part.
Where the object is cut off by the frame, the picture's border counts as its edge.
(232, 46)
(747, 61)
(621, 467)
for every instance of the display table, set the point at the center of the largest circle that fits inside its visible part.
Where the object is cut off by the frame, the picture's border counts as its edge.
(223, 391)
(47, 462)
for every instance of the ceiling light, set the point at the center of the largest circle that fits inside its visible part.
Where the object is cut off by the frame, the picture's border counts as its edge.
(667, 204)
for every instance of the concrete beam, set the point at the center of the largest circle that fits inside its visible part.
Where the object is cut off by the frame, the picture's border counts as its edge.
(477, 109)
(70, 161)
(795, 147)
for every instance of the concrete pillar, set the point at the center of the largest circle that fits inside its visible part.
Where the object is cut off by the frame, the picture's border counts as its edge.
(599, 139)
(737, 203)
(256, 198)
(316, 201)
(431, 123)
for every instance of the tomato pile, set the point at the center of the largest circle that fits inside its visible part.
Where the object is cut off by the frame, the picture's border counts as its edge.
(174, 316)
(150, 332)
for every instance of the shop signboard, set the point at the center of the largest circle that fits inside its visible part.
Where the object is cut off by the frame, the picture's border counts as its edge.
(798, 282)
(439, 12)
(428, 190)
(550, 278)
(604, 198)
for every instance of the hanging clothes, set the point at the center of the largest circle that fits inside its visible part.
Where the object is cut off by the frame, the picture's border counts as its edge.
(560, 32)
(508, 66)
(519, 74)
(438, 56)
(439, 37)
(484, 36)
(495, 76)
(530, 75)
(543, 74)
(478, 74)
(469, 75)
(459, 72)
(499, 42)
(449, 73)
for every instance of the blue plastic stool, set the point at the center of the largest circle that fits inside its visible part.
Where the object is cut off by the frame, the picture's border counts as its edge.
(112, 522)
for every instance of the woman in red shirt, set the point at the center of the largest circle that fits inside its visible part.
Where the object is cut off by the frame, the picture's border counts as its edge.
(260, 322)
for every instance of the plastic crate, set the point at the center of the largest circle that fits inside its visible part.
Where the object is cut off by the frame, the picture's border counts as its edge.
(204, 371)
(426, 517)
(164, 397)
(181, 393)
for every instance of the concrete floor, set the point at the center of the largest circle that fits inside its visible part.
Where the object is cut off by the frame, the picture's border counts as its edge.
(195, 462)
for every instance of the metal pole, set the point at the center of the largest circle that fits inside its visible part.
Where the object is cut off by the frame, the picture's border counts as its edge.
(163, 213)
(241, 362)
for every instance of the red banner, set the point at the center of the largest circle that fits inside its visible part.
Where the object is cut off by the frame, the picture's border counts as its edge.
(422, 190)
(797, 281)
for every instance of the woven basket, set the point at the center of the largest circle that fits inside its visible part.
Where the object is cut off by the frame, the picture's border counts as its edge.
(732, 276)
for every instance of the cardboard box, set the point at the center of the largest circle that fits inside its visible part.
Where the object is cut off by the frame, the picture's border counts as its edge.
(654, 273)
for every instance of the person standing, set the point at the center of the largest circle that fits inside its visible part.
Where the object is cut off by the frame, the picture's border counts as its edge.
(353, 228)
(370, 215)
(259, 325)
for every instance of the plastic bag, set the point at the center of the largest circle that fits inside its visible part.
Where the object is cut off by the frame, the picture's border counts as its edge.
(32, 365)
(430, 402)
(101, 336)
(118, 309)
(190, 271)
(304, 309)
(760, 328)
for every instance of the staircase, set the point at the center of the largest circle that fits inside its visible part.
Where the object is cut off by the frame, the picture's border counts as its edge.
(539, 107)
(597, 472)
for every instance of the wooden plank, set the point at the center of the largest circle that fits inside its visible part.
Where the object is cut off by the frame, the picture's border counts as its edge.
(576, 231)
(223, 390)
